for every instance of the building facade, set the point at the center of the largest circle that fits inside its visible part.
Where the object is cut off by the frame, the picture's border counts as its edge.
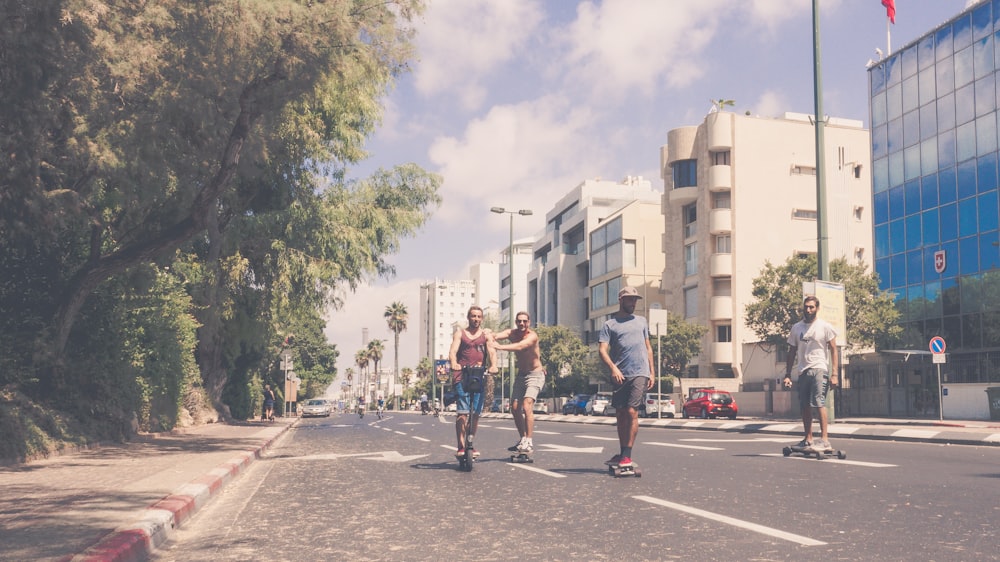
(559, 276)
(516, 300)
(740, 191)
(443, 307)
(934, 114)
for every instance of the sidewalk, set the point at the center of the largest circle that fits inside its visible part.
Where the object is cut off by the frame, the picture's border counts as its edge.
(118, 503)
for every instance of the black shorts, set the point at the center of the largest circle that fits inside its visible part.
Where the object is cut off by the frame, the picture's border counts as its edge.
(629, 393)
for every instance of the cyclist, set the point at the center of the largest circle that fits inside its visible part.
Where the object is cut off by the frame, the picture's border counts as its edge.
(380, 407)
(361, 406)
(469, 349)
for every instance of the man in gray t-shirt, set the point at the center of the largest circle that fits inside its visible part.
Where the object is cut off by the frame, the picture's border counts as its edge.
(624, 347)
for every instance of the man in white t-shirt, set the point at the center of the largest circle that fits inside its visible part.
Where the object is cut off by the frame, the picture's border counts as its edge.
(808, 344)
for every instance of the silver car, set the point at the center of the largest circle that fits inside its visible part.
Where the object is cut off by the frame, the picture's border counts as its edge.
(316, 407)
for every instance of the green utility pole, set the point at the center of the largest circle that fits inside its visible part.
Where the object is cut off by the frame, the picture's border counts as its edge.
(822, 243)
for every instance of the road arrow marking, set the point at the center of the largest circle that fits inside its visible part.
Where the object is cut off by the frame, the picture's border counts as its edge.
(389, 456)
(759, 439)
(597, 438)
(833, 461)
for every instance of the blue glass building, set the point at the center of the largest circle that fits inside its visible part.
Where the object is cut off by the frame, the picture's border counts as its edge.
(936, 213)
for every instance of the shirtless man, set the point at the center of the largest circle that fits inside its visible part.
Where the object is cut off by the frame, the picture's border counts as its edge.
(470, 348)
(529, 380)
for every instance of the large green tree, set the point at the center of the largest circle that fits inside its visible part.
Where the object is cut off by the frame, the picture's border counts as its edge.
(777, 302)
(203, 141)
(567, 360)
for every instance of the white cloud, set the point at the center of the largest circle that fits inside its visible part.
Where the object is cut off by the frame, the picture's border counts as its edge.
(463, 41)
(517, 153)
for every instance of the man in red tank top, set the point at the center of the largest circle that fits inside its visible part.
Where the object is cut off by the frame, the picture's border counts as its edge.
(469, 349)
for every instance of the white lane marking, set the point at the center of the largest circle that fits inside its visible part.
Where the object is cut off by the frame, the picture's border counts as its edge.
(546, 432)
(400, 432)
(699, 447)
(385, 428)
(833, 461)
(992, 438)
(769, 531)
(754, 440)
(551, 448)
(594, 437)
(538, 470)
(421, 439)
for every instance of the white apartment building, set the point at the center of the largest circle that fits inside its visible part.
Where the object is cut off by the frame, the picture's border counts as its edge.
(625, 249)
(443, 306)
(560, 273)
(740, 191)
(522, 263)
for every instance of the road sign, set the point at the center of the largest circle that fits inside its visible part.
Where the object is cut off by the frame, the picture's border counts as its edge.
(937, 345)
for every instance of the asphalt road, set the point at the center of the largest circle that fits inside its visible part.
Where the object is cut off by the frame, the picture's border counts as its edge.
(345, 488)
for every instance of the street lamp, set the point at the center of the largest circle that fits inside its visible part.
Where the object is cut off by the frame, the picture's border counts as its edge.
(510, 283)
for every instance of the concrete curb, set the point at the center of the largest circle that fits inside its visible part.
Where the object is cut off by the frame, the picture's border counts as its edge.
(137, 541)
(949, 434)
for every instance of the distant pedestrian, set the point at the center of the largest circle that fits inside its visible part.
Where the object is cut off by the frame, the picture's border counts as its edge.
(808, 344)
(624, 347)
(269, 399)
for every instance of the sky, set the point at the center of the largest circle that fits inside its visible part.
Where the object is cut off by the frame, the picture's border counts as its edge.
(516, 102)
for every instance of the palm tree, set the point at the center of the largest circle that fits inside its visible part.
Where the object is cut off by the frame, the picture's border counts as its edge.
(375, 351)
(361, 360)
(396, 316)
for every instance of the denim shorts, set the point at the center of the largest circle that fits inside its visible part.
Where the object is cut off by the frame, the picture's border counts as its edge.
(813, 384)
(463, 398)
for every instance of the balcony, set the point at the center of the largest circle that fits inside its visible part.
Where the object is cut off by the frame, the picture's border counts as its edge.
(720, 131)
(720, 177)
(720, 221)
(721, 265)
(683, 195)
(722, 352)
(720, 308)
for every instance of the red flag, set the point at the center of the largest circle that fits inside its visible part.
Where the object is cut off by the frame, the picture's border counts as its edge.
(890, 9)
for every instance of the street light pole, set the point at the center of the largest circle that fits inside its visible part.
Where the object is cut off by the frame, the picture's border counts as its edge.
(510, 283)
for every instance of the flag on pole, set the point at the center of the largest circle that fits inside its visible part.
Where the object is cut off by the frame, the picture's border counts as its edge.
(890, 9)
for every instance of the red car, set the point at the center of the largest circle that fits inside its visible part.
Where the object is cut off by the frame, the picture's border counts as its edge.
(710, 403)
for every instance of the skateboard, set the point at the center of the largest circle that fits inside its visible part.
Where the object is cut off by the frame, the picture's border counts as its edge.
(521, 457)
(810, 452)
(624, 471)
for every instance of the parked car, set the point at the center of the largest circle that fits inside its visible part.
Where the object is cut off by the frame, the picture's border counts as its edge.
(599, 404)
(710, 403)
(541, 406)
(654, 404)
(576, 405)
(498, 407)
(316, 407)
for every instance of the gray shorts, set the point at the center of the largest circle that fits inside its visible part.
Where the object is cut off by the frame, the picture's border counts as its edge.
(813, 384)
(629, 393)
(528, 385)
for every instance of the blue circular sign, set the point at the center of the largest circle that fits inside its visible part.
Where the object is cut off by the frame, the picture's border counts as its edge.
(937, 345)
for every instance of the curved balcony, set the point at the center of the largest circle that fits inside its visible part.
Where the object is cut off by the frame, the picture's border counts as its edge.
(720, 308)
(722, 352)
(721, 265)
(720, 220)
(680, 145)
(720, 178)
(683, 195)
(720, 131)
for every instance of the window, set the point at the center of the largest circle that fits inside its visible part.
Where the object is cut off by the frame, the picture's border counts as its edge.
(721, 200)
(804, 170)
(607, 252)
(804, 214)
(691, 302)
(724, 244)
(629, 255)
(720, 158)
(691, 259)
(598, 296)
(689, 217)
(724, 333)
(859, 212)
(685, 173)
